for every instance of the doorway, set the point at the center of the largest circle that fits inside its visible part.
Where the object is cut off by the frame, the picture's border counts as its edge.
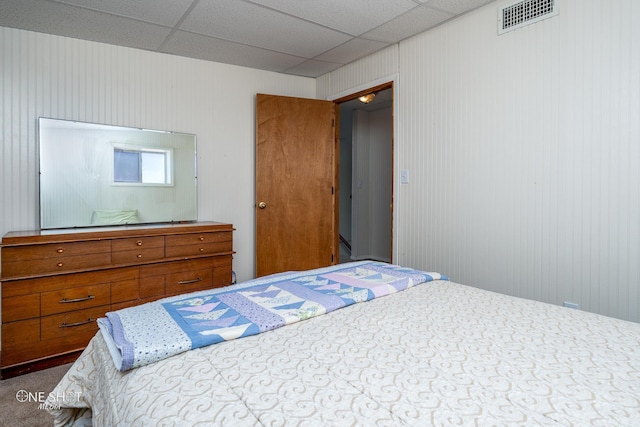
(366, 176)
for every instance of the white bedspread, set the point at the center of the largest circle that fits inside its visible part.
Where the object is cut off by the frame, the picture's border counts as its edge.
(437, 354)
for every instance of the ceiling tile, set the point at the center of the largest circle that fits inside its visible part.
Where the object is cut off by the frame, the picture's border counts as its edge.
(419, 20)
(352, 17)
(145, 10)
(70, 21)
(457, 6)
(304, 37)
(211, 49)
(353, 49)
(261, 27)
(313, 68)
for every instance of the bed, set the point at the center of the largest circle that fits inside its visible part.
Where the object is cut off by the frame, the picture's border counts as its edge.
(437, 353)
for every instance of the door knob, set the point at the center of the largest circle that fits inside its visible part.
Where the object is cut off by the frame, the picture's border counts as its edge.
(262, 205)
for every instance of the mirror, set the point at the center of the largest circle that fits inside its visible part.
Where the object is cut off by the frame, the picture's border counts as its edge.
(96, 175)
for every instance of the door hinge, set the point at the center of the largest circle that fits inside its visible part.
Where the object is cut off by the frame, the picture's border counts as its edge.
(333, 191)
(332, 258)
(333, 123)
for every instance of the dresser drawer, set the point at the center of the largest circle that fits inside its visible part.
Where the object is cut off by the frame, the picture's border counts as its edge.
(69, 280)
(178, 277)
(197, 238)
(152, 286)
(20, 307)
(55, 264)
(137, 243)
(21, 342)
(71, 299)
(16, 333)
(139, 255)
(189, 281)
(54, 250)
(194, 244)
(198, 249)
(63, 325)
(222, 272)
(125, 290)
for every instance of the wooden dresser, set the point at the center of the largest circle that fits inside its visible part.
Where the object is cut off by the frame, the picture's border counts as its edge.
(55, 284)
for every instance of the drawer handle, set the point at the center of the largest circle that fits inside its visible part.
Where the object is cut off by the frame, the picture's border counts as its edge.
(201, 249)
(71, 325)
(60, 250)
(186, 282)
(139, 243)
(59, 264)
(87, 298)
(202, 238)
(139, 255)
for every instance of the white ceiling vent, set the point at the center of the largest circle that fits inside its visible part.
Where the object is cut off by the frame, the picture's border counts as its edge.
(517, 14)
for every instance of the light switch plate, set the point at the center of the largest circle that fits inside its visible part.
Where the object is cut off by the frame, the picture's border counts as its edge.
(404, 176)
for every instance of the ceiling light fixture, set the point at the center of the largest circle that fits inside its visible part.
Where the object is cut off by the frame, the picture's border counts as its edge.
(367, 98)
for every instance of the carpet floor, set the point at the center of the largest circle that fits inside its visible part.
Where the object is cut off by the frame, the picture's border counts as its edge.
(21, 409)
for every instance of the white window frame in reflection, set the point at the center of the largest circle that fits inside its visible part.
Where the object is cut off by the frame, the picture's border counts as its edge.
(146, 166)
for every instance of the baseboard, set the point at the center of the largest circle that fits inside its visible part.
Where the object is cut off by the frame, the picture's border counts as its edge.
(370, 258)
(38, 365)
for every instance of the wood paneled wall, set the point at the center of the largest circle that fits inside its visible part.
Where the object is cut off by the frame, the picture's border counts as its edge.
(59, 77)
(524, 153)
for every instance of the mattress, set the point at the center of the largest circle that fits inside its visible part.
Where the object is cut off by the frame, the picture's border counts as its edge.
(440, 353)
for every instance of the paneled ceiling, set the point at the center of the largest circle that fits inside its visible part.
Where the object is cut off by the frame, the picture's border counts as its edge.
(300, 37)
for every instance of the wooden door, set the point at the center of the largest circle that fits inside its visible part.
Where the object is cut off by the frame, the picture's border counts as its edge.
(295, 184)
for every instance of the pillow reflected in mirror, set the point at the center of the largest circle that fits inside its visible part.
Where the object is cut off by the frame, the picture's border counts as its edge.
(113, 217)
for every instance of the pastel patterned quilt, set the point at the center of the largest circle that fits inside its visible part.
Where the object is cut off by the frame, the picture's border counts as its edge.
(437, 354)
(145, 334)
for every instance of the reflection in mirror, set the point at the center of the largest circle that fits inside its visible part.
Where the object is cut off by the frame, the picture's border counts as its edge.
(93, 175)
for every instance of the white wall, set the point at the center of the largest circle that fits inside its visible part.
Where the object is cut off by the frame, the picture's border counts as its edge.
(372, 176)
(345, 180)
(523, 149)
(58, 77)
(523, 152)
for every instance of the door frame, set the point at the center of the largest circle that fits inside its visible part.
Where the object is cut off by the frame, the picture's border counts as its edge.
(383, 84)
